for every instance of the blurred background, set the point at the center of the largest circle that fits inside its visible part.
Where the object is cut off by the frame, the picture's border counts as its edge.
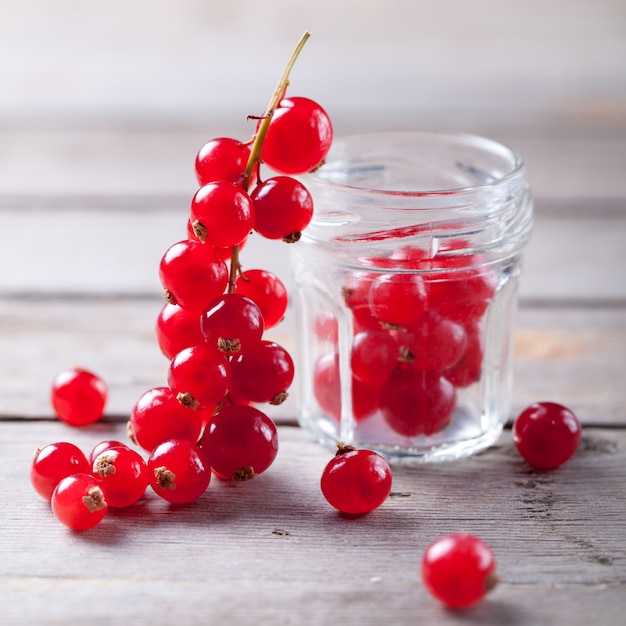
(103, 106)
(191, 68)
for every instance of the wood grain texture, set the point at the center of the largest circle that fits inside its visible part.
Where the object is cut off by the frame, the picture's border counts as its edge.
(102, 110)
(273, 551)
(572, 354)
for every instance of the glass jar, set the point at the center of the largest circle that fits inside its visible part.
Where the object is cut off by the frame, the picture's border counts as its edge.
(406, 283)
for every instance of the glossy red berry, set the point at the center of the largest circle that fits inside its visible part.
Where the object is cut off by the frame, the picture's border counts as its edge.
(241, 441)
(546, 434)
(222, 158)
(327, 390)
(158, 416)
(468, 368)
(232, 323)
(222, 214)
(460, 286)
(417, 403)
(263, 372)
(179, 471)
(397, 299)
(78, 501)
(54, 462)
(267, 291)
(283, 208)
(78, 396)
(177, 328)
(459, 570)
(356, 481)
(433, 344)
(199, 377)
(192, 274)
(299, 136)
(123, 475)
(374, 356)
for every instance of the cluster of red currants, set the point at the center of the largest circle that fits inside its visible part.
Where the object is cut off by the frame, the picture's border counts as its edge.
(213, 323)
(206, 421)
(418, 337)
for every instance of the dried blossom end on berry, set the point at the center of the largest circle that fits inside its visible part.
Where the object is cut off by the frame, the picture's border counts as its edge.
(187, 400)
(94, 500)
(342, 448)
(293, 237)
(243, 474)
(105, 466)
(199, 231)
(279, 398)
(228, 346)
(166, 479)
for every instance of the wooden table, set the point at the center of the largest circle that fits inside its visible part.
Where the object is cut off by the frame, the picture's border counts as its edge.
(86, 211)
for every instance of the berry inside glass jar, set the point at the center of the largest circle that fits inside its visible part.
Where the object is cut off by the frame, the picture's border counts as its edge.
(406, 280)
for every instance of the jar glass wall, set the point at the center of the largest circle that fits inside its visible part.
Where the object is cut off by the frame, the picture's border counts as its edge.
(406, 283)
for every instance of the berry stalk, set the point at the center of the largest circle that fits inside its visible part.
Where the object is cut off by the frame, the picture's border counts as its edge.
(257, 143)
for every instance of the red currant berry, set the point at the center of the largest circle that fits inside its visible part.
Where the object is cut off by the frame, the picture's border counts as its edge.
(299, 136)
(53, 463)
(263, 373)
(222, 158)
(356, 481)
(469, 367)
(103, 446)
(374, 356)
(199, 376)
(327, 390)
(433, 344)
(123, 475)
(158, 416)
(192, 274)
(232, 323)
(355, 293)
(397, 299)
(78, 502)
(267, 291)
(222, 214)
(241, 441)
(179, 471)
(459, 288)
(283, 208)
(78, 397)
(417, 403)
(177, 328)
(546, 434)
(459, 570)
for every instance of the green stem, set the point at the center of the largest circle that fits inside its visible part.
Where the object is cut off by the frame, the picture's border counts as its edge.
(257, 144)
(259, 138)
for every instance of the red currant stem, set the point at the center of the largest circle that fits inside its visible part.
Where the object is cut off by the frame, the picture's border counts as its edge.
(234, 269)
(255, 150)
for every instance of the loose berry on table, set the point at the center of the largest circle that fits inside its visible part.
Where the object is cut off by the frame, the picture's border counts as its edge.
(459, 570)
(78, 396)
(54, 462)
(546, 434)
(356, 481)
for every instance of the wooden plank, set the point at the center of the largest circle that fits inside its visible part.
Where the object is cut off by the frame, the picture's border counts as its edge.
(564, 158)
(575, 254)
(158, 59)
(575, 355)
(272, 546)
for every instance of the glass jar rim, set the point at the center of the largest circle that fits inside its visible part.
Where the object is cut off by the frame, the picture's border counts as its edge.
(482, 145)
